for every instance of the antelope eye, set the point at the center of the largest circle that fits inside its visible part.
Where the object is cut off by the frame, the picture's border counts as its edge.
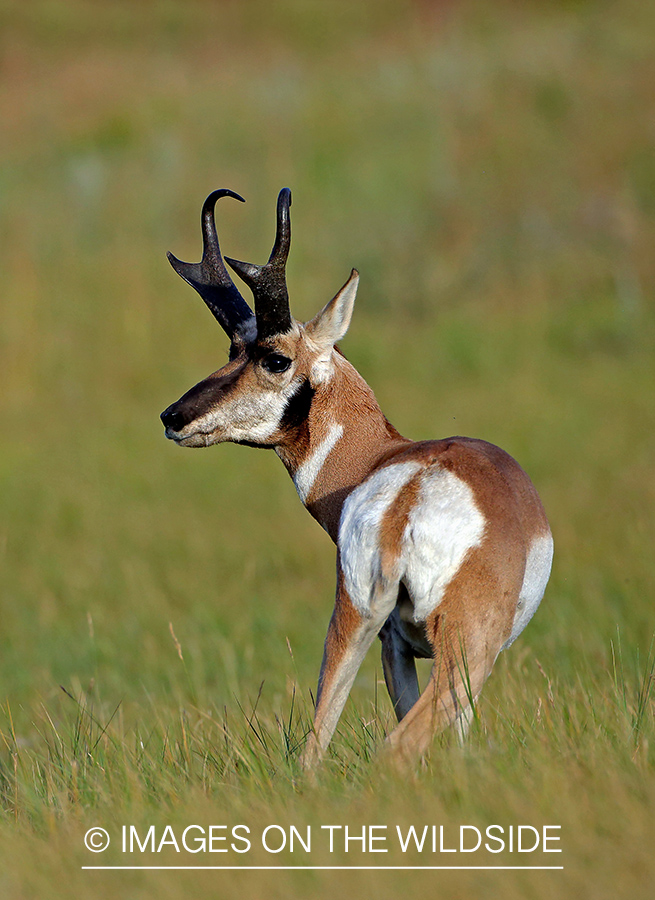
(275, 362)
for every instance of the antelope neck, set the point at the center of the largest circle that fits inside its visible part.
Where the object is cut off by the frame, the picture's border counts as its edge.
(337, 447)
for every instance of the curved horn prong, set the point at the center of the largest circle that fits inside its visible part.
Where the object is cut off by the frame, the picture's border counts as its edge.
(210, 277)
(268, 283)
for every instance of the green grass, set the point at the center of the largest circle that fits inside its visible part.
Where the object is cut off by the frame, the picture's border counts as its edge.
(490, 169)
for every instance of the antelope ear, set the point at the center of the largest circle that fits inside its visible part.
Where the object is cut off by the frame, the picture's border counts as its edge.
(331, 323)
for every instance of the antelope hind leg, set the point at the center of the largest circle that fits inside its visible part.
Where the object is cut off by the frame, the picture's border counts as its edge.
(463, 659)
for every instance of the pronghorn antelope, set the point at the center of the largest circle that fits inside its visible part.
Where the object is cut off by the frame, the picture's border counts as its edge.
(443, 547)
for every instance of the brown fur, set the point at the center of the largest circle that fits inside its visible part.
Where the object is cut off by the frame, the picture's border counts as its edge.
(394, 523)
(368, 438)
(466, 633)
(474, 618)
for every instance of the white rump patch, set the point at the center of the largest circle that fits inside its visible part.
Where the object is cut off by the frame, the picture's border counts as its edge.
(443, 526)
(359, 530)
(307, 473)
(537, 572)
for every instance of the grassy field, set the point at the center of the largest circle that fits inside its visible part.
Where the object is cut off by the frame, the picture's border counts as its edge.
(490, 169)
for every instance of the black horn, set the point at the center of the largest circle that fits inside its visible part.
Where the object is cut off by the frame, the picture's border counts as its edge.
(269, 283)
(212, 280)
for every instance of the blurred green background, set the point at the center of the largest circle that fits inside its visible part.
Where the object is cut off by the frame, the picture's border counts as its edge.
(490, 170)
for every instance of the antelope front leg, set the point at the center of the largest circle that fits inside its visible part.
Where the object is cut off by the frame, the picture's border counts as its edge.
(349, 636)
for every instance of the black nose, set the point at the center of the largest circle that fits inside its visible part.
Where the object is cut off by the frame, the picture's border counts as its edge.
(173, 419)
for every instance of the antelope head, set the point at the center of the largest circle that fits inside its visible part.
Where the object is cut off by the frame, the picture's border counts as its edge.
(275, 363)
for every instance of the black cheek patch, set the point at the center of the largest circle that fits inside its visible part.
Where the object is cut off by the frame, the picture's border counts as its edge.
(297, 409)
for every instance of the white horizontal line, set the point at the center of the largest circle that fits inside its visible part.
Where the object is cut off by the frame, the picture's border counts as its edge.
(340, 868)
